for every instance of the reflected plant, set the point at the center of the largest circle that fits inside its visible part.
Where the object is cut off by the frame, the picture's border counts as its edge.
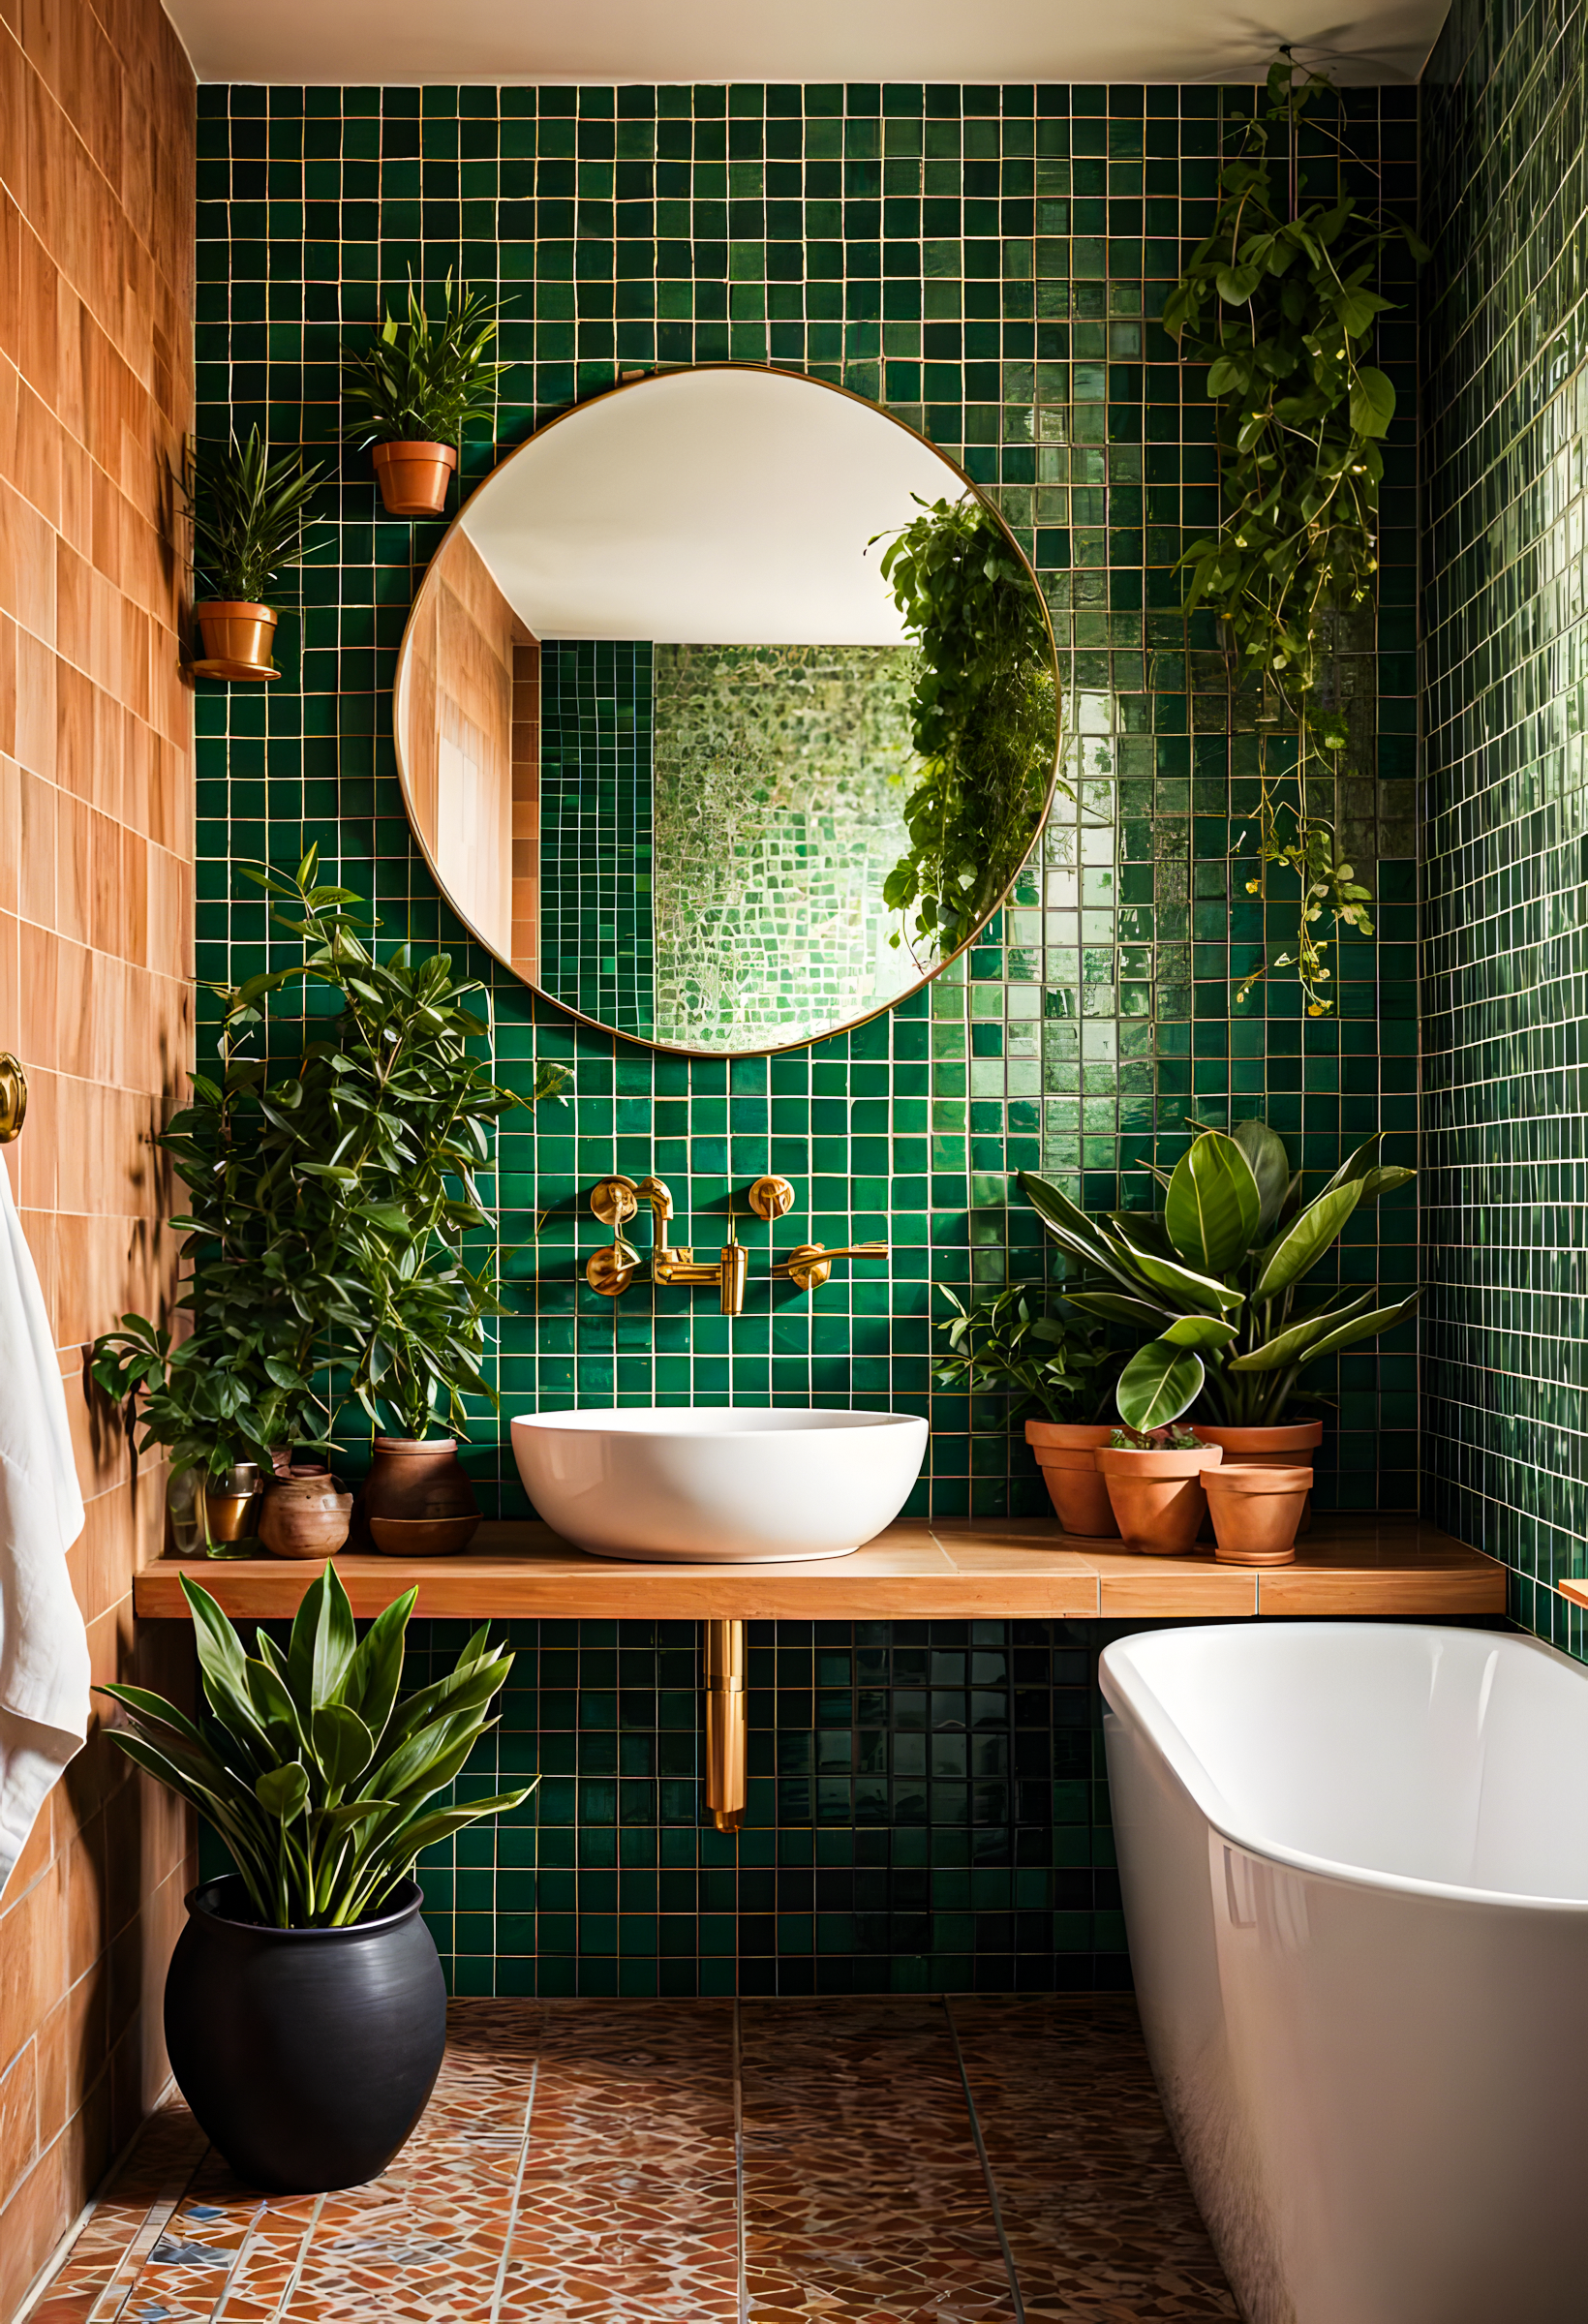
(985, 719)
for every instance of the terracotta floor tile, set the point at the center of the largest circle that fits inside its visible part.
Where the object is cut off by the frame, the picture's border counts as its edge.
(577, 2165)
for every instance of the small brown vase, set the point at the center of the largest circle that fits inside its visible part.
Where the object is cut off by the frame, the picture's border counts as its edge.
(1286, 1444)
(417, 1498)
(415, 476)
(1066, 1453)
(304, 1515)
(1158, 1497)
(235, 631)
(1256, 1512)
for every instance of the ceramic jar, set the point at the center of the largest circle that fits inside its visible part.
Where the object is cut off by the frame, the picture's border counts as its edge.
(305, 1515)
(417, 1498)
(1256, 1512)
(1066, 1452)
(1158, 1498)
(413, 476)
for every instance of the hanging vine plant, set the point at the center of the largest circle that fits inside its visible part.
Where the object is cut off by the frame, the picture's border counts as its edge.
(1279, 302)
(984, 719)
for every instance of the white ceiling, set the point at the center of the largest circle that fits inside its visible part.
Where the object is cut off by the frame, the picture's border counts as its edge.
(496, 40)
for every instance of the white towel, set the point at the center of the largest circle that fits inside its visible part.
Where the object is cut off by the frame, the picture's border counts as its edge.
(43, 1647)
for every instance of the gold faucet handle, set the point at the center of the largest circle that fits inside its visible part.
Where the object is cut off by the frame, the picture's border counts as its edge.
(810, 1264)
(611, 1269)
(771, 1198)
(12, 1098)
(614, 1201)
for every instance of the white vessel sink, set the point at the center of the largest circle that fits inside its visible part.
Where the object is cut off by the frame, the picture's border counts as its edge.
(714, 1486)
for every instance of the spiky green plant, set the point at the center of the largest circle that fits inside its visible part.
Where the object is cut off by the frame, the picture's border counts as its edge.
(422, 380)
(311, 1769)
(247, 513)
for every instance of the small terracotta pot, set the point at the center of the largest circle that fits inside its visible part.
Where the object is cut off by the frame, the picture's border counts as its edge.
(304, 1515)
(1285, 1446)
(235, 631)
(1256, 1512)
(1066, 1452)
(415, 476)
(1158, 1497)
(417, 1498)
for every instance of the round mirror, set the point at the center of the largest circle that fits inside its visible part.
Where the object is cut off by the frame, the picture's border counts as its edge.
(727, 712)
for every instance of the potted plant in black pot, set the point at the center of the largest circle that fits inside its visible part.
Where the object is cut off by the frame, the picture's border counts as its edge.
(305, 2007)
(414, 390)
(247, 515)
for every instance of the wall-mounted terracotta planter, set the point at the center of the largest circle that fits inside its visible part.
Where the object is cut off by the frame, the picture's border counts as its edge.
(1158, 1499)
(235, 631)
(415, 476)
(1256, 1512)
(417, 1498)
(304, 1515)
(1066, 1452)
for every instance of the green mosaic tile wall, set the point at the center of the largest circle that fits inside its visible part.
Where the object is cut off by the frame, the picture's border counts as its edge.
(598, 941)
(989, 262)
(1505, 1014)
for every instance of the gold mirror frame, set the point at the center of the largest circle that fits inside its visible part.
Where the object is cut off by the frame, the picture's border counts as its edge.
(420, 606)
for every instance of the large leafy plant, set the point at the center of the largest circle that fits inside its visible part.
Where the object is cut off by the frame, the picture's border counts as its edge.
(983, 719)
(424, 378)
(247, 513)
(1008, 1344)
(306, 1763)
(1279, 300)
(1216, 1280)
(338, 1238)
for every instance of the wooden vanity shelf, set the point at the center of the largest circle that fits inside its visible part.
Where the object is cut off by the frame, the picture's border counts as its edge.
(966, 1568)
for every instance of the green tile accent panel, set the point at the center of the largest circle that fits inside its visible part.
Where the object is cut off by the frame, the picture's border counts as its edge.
(782, 775)
(1505, 1012)
(597, 943)
(990, 263)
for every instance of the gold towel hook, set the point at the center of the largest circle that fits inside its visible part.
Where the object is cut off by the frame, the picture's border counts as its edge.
(12, 1097)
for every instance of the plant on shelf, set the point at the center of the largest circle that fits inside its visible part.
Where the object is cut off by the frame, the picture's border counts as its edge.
(984, 716)
(305, 2008)
(247, 513)
(1215, 1282)
(413, 391)
(331, 1196)
(1007, 1345)
(1278, 300)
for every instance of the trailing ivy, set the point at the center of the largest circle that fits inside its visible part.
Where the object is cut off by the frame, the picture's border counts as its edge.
(984, 719)
(1279, 302)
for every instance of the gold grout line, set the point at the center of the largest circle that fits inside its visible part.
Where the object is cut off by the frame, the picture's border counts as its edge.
(501, 2283)
(990, 2183)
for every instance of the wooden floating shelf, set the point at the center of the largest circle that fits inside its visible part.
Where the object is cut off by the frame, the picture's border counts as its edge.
(966, 1568)
(231, 671)
(1574, 1592)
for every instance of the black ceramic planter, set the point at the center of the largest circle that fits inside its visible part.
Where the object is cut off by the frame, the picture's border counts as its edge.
(307, 2055)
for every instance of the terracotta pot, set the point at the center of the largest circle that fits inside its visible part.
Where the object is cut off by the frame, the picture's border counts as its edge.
(1256, 1512)
(235, 631)
(417, 1497)
(1158, 1498)
(304, 1515)
(1066, 1453)
(415, 476)
(1286, 1444)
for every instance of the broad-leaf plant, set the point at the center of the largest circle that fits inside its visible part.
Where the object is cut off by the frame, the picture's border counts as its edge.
(984, 719)
(1279, 301)
(1216, 1280)
(338, 1239)
(309, 1766)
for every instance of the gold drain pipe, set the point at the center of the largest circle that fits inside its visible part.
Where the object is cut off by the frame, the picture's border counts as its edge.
(725, 1723)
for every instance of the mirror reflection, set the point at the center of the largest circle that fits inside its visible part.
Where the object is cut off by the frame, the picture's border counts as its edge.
(726, 710)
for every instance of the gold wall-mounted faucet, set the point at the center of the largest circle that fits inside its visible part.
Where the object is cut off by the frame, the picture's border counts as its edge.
(612, 1269)
(728, 1270)
(810, 1264)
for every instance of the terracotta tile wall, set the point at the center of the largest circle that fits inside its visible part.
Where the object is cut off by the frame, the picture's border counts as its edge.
(96, 936)
(527, 807)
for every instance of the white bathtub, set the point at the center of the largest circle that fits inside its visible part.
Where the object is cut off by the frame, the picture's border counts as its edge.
(1355, 1861)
